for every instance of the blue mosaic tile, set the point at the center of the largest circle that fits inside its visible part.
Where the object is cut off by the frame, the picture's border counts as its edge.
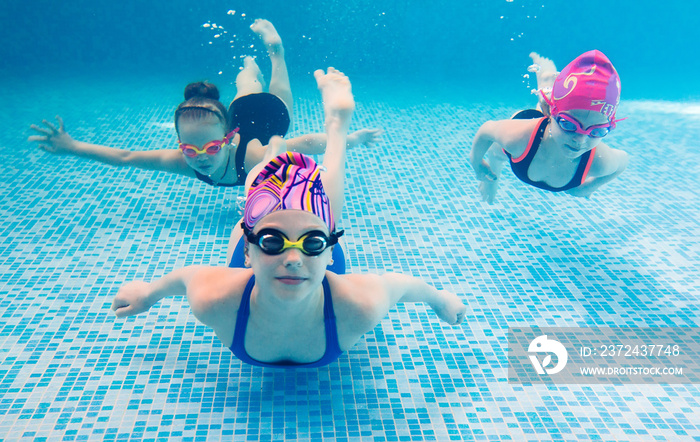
(73, 231)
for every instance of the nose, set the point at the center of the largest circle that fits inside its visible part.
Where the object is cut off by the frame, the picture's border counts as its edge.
(292, 258)
(579, 139)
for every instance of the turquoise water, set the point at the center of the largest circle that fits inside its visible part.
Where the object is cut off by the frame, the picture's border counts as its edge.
(74, 231)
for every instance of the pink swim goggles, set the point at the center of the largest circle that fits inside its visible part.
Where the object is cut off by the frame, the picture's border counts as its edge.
(211, 148)
(568, 123)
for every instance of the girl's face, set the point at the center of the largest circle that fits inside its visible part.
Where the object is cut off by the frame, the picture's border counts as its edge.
(199, 133)
(291, 275)
(575, 144)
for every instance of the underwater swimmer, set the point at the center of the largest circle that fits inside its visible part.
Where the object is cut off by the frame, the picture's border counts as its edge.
(559, 148)
(285, 308)
(216, 146)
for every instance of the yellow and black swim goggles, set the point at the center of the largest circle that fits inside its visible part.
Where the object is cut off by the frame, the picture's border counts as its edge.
(274, 242)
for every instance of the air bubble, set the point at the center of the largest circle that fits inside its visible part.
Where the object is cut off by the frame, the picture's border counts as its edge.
(231, 12)
(533, 68)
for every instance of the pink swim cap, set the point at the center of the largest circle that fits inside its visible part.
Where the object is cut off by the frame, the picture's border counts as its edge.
(589, 82)
(292, 181)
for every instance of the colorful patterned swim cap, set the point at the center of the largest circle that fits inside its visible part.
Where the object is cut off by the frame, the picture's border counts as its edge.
(589, 82)
(292, 181)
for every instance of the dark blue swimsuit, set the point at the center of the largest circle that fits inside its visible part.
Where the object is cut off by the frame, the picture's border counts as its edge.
(521, 164)
(333, 350)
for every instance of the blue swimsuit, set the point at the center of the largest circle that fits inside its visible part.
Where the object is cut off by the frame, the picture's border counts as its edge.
(333, 350)
(521, 164)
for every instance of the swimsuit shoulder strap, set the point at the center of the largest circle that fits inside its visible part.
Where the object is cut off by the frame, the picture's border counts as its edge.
(332, 344)
(534, 143)
(238, 344)
(584, 166)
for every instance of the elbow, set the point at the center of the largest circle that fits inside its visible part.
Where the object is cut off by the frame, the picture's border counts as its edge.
(124, 158)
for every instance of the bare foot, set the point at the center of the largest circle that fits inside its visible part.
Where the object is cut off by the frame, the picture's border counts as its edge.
(546, 71)
(336, 91)
(250, 79)
(269, 36)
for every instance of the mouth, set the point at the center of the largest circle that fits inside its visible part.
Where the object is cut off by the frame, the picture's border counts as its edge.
(291, 280)
(572, 149)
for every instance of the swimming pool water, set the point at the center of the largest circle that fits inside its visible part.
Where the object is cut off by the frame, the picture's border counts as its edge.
(74, 231)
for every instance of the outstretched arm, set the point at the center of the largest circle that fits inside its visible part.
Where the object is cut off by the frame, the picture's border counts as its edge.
(404, 288)
(57, 141)
(138, 296)
(315, 144)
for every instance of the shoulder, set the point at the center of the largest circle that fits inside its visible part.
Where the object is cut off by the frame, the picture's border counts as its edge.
(608, 161)
(512, 135)
(214, 293)
(359, 301)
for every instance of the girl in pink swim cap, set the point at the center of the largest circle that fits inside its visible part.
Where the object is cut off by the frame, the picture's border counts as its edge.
(558, 147)
(280, 303)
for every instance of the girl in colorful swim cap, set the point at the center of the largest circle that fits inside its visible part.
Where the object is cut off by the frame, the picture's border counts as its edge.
(216, 146)
(559, 148)
(284, 301)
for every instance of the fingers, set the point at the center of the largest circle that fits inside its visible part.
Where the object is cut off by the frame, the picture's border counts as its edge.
(41, 130)
(121, 308)
(124, 312)
(50, 125)
(61, 126)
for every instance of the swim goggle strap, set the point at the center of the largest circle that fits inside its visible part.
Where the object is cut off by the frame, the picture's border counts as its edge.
(274, 242)
(211, 148)
(555, 113)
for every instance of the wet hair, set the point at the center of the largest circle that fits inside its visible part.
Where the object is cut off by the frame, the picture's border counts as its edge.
(201, 100)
